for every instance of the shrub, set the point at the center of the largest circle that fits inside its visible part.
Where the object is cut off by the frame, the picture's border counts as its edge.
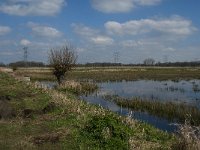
(106, 132)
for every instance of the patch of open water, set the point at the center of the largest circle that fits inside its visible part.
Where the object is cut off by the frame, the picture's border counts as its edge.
(175, 91)
(183, 91)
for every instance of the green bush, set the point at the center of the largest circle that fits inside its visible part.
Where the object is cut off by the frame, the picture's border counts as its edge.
(105, 132)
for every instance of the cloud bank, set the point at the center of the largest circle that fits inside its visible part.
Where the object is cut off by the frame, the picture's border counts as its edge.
(44, 31)
(32, 7)
(174, 26)
(136, 39)
(121, 6)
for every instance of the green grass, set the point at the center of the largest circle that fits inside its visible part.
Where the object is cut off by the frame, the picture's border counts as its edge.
(55, 120)
(169, 110)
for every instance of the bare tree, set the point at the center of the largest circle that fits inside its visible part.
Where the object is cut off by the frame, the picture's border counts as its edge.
(62, 60)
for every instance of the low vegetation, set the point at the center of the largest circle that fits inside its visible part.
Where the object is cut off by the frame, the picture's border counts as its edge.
(78, 88)
(169, 110)
(188, 137)
(104, 74)
(47, 119)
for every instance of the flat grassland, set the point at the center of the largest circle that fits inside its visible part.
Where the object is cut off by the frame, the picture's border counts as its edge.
(103, 74)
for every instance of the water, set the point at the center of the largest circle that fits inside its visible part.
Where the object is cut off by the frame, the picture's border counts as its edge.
(48, 84)
(180, 91)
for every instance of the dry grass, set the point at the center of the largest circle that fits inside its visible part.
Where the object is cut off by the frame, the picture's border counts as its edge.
(189, 137)
(77, 88)
(71, 84)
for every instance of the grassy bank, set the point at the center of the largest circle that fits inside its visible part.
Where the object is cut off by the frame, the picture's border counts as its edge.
(33, 118)
(169, 110)
(117, 73)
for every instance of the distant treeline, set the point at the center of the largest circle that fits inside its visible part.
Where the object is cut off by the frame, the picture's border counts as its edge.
(26, 64)
(167, 64)
(179, 64)
(98, 64)
(104, 64)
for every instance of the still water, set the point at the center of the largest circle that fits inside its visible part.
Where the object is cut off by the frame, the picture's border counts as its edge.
(176, 91)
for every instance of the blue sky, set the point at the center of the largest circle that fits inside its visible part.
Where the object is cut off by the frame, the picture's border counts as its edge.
(135, 29)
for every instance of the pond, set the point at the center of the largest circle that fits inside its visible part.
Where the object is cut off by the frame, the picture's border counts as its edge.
(182, 91)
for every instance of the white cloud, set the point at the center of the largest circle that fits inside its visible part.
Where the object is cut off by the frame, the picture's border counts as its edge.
(91, 35)
(132, 43)
(25, 42)
(102, 40)
(4, 30)
(174, 26)
(113, 6)
(44, 31)
(32, 7)
(147, 44)
(136, 39)
(147, 2)
(121, 6)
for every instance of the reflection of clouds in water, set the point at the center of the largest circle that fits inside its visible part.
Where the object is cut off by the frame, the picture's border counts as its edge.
(105, 92)
(149, 89)
(180, 92)
(143, 116)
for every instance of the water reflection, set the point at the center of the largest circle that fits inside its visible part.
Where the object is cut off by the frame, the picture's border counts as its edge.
(177, 91)
(181, 91)
(160, 123)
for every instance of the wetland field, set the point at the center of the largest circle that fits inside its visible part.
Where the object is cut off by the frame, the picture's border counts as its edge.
(141, 90)
(157, 101)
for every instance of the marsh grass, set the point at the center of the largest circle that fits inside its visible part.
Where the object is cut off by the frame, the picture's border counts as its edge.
(169, 110)
(78, 88)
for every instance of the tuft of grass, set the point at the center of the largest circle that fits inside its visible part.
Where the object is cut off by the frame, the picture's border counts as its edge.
(188, 137)
(78, 88)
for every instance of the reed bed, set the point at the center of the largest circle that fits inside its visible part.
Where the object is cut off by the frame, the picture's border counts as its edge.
(78, 88)
(169, 110)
